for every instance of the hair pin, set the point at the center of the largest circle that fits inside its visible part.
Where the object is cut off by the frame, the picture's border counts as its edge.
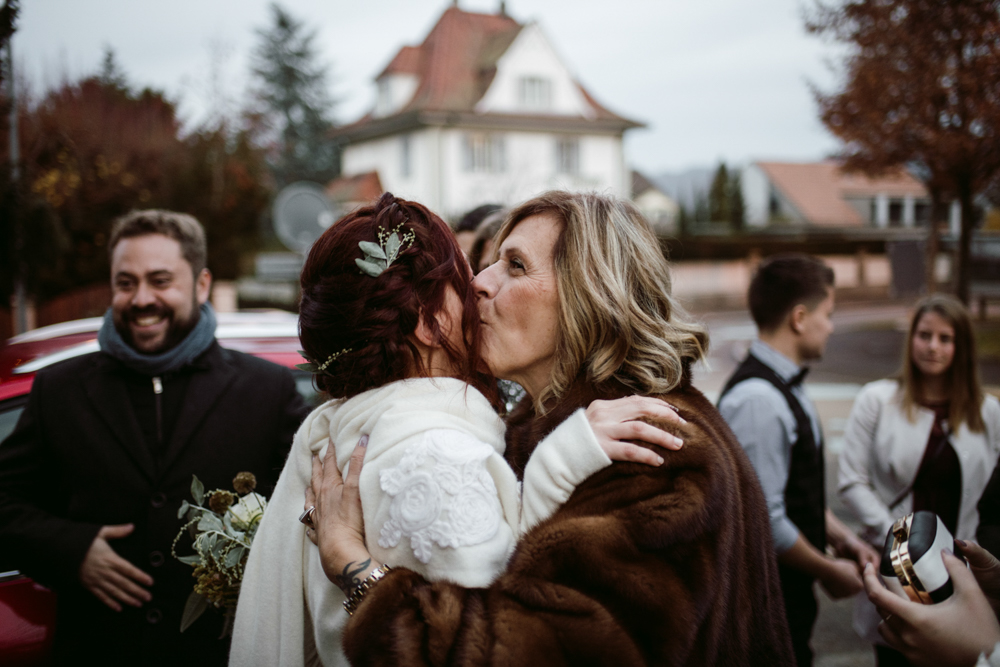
(380, 256)
(313, 367)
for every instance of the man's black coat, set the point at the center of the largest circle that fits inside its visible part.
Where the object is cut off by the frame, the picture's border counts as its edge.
(78, 461)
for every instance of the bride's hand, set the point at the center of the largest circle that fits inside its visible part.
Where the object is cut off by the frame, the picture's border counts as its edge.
(338, 523)
(616, 421)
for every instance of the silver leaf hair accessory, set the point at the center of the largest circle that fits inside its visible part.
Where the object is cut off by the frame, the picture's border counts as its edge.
(380, 256)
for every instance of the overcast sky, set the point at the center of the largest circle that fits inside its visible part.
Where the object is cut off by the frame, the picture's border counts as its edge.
(712, 79)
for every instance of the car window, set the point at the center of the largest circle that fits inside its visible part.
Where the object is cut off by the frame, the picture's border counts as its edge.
(10, 412)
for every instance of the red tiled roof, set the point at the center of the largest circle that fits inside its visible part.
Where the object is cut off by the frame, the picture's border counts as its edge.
(361, 188)
(457, 60)
(407, 61)
(819, 189)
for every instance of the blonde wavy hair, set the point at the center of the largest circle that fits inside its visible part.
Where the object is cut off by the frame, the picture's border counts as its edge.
(618, 319)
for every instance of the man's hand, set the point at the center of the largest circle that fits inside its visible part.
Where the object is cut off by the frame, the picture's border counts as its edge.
(861, 553)
(841, 578)
(953, 632)
(110, 577)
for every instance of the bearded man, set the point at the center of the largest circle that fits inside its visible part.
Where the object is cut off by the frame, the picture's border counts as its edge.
(93, 475)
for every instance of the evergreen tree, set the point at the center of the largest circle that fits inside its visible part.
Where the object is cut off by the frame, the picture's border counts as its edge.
(737, 211)
(293, 101)
(111, 74)
(718, 195)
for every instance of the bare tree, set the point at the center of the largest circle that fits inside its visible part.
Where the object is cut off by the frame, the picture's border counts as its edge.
(921, 89)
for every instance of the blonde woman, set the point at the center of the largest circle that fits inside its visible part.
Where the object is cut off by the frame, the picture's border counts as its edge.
(641, 565)
(926, 441)
(383, 318)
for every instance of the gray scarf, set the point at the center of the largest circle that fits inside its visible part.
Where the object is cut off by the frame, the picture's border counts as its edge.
(197, 341)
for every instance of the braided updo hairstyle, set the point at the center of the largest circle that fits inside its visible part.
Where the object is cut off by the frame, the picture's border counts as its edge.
(374, 317)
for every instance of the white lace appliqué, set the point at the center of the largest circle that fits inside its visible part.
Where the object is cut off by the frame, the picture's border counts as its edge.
(441, 493)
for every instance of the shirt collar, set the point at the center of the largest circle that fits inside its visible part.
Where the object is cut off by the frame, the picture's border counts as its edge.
(776, 361)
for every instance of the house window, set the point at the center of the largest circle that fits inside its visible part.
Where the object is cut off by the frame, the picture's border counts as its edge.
(405, 157)
(568, 155)
(484, 153)
(536, 93)
(895, 213)
(384, 102)
(921, 214)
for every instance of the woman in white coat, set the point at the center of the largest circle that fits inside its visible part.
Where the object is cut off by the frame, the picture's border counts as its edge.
(926, 441)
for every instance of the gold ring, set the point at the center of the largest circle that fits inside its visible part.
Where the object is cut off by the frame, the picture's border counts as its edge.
(307, 518)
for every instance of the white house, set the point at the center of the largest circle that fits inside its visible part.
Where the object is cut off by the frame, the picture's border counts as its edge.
(821, 194)
(484, 110)
(659, 208)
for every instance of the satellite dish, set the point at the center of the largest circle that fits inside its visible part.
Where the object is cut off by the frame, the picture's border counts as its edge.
(301, 212)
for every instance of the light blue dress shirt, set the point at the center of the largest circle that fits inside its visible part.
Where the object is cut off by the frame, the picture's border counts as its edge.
(765, 426)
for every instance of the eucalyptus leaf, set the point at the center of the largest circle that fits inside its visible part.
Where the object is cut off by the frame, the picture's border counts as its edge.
(227, 521)
(183, 510)
(373, 249)
(371, 268)
(234, 556)
(308, 368)
(219, 546)
(189, 560)
(209, 521)
(193, 608)
(197, 489)
(392, 247)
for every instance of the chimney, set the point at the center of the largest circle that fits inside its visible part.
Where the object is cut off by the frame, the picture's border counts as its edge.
(503, 7)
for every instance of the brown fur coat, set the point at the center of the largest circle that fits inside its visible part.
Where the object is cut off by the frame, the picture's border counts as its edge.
(642, 566)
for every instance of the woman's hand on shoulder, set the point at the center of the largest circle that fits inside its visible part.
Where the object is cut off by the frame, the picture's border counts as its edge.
(336, 524)
(616, 421)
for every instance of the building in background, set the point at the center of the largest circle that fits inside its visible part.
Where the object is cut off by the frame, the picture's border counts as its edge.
(484, 110)
(820, 194)
(659, 208)
(349, 193)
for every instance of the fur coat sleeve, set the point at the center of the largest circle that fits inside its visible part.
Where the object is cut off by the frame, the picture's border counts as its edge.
(641, 566)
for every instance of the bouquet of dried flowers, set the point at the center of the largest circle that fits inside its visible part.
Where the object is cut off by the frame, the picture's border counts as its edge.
(223, 533)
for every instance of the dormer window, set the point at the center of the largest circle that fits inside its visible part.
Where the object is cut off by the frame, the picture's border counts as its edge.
(535, 93)
(383, 105)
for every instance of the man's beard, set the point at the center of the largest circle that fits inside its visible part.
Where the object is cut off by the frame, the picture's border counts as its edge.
(177, 329)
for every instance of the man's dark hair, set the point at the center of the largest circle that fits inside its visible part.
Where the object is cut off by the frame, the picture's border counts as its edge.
(782, 282)
(471, 220)
(181, 227)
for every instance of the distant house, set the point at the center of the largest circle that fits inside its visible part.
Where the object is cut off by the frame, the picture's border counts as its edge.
(658, 207)
(484, 110)
(352, 192)
(820, 194)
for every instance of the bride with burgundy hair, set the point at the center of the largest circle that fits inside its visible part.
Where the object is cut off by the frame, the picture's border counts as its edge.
(389, 325)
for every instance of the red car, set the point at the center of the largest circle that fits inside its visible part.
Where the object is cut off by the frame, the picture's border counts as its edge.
(27, 610)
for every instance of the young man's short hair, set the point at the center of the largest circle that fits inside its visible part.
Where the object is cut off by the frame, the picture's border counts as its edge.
(181, 227)
(782, 282)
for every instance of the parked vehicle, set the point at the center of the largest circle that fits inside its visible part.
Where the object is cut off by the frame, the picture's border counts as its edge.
(27, 609)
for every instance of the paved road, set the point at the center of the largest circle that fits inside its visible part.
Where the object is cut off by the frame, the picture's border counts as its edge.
(866, 345)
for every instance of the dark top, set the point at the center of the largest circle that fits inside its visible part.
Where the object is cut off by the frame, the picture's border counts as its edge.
(80, 459)
(805, 499)
(938, 485)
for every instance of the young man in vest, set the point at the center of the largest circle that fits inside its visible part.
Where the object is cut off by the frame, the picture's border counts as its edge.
(765, 403)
